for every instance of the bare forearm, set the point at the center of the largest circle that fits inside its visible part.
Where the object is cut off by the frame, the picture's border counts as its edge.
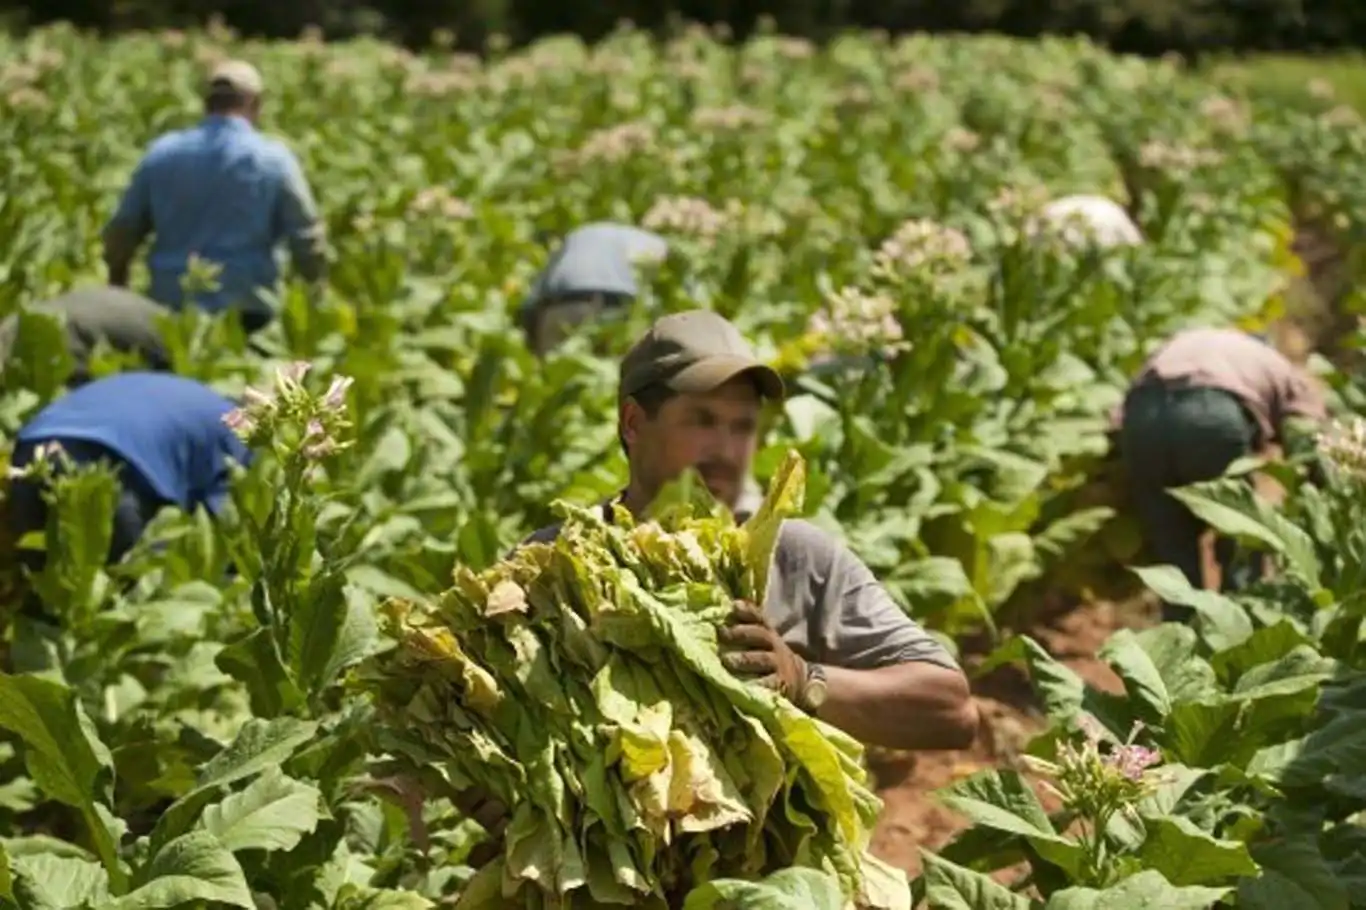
(906, 706)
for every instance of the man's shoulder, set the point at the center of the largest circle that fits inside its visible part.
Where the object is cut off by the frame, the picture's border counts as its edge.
(805, 541)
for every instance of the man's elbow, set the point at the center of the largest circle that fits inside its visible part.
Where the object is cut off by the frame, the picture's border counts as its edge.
(958, 716)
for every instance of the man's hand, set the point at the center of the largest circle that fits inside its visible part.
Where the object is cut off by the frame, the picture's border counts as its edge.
(752, 648)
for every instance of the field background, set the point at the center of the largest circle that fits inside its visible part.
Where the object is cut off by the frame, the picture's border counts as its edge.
(971, 474)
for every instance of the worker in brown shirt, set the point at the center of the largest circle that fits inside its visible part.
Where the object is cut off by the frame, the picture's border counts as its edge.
(1203, 400)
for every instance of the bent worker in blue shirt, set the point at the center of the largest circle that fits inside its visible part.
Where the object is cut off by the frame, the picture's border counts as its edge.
(592, 273)
(225, 193)
(163, 434)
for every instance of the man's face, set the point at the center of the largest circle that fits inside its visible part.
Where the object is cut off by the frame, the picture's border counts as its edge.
(716, 432)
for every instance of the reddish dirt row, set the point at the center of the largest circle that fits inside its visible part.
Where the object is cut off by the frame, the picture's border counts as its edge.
(912, 819)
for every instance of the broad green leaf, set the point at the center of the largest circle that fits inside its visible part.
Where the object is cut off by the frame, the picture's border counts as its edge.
(1172, 650)
(1142, 682)
(1185, 855)
(951, 887)
(787, 889)
(1264, 646)
(1300, 669)
(332, 628)
(1061, 690)
(6, 877)
(1003, 800)
(46, 881)
(255, 661)
(1231, 507)
(63, 754)
(273, 813)
(1294, 874)
(1337, 747)
(933, 579)
(1223, 623)
(1147, 890)
(1011, 560)
(191, 868)
(359, 897)
(259, 745)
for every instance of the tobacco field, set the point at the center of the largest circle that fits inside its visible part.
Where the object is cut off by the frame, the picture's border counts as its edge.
(196, 737)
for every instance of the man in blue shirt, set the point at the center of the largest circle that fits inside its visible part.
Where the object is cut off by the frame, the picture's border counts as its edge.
(223, 192)
(591, 273)
(164, 434)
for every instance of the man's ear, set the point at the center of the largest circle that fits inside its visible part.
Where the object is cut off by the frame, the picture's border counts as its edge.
(630, 418)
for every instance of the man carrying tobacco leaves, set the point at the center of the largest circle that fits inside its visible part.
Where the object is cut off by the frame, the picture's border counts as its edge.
(828, 636)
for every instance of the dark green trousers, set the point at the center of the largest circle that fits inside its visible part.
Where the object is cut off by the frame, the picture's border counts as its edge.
(1173, 436)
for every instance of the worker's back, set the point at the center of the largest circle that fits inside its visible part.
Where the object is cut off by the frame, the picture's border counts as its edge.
(214, 191)
(167, 427)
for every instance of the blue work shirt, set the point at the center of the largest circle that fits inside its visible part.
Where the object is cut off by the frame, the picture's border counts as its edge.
(168, 428)
(227, 193)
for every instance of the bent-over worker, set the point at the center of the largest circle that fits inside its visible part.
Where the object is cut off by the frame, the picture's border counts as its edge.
(592, 273)
(1204, 399)
(163, 434)
(225, 193)
(124, 320)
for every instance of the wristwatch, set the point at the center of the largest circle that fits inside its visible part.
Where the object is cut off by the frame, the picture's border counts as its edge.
(815, 690)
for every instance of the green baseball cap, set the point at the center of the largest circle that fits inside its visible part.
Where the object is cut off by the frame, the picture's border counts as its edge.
(694, 352)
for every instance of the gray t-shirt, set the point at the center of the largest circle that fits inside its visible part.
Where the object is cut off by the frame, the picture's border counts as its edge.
(127, 321)
(829, 608)
(598, 258)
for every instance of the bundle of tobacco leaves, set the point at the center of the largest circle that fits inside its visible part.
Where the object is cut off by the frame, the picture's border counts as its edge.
(579, 683)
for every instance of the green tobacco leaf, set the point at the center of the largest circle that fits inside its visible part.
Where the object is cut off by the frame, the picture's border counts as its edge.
(45, 881)
(255, 661)
(80, 526)
(1147, 890)
(6, 876)
(63, 754)
(932, 580)
(1011, 560)
(787, 889)
(1185, 855)
(1233, 508)
(332, 628)
(1061, 690)
(1063, 536)
(359, 897)
(1222, 622)
(1294, 874)
(1142, 682)
(951, 887)
(1002, 800)
(1338, 747)
(259, 745)
(1263, 646)
(1300, 669)
(195, 867)
(783, 500)
(1205, 734)
(1172, 650)
(273, 813)
(40, 359)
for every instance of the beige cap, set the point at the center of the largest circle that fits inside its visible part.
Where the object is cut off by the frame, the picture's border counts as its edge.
(696, 351)
(237, 77)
